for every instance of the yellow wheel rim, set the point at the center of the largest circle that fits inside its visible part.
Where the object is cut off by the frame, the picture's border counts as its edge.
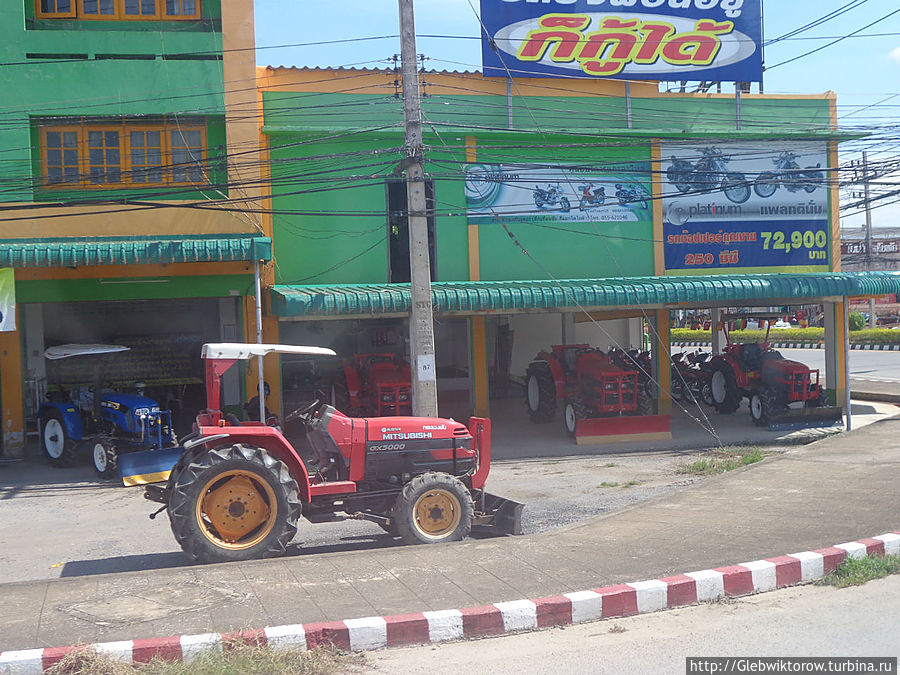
(437, 513)
(236, 510)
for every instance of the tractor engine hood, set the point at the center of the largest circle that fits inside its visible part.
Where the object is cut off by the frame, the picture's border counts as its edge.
(131, 401)
(784, 366)
(598, 363)
(406, 428)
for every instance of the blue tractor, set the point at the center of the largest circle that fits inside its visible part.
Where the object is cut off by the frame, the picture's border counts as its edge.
(106, 421)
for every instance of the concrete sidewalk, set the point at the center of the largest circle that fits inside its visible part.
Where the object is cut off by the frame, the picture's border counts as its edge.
(839, 489)
(872, 390)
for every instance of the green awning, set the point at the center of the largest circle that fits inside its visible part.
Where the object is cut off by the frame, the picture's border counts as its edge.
(83, 251)
(482, 297)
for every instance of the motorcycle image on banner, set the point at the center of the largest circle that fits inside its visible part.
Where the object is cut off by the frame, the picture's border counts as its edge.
(725, 210)
(707, 174)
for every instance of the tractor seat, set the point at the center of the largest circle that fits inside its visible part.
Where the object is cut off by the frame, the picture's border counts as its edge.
(751, 355)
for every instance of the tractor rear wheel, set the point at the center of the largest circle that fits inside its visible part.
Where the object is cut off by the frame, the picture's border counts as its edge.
(432, 508)
(58, 446)
(105, 458)
(540, 393)
(725, 394)
(234, 503)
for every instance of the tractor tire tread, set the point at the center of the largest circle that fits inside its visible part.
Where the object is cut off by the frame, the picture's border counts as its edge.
(181, 505)
(546, 408)
(732, 396)
(402, 517)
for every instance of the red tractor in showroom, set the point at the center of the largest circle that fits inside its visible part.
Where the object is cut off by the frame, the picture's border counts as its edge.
(235, 490)
(588, 382)
(374, 384)
(770, 382)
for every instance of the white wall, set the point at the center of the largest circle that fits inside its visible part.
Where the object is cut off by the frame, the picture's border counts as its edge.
(534, 332)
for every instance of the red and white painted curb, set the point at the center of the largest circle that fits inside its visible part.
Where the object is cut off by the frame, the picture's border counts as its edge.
(375, 632)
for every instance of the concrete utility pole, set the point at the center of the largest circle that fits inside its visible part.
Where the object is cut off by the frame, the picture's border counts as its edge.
(421, 320)
(873, 320)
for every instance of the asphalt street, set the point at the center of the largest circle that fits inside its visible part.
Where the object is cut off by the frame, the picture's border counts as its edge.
(864, 365)
(795, 622)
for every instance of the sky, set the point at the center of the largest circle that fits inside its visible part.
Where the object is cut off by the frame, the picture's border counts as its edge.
(864, 71)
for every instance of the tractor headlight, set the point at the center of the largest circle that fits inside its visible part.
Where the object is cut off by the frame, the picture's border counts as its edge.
(610, 386)
(404, 396)
(387, 397)
(142, 412)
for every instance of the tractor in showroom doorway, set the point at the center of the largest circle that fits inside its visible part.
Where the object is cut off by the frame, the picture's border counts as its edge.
(782, 393)
(236, 490)
(588, 382)
(92, 416)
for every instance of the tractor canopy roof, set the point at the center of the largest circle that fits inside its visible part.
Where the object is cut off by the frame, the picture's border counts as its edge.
(243, 350)
(67, 351)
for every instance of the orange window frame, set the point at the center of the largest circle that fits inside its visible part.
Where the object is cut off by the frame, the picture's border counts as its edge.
(169, 152)
(125, 167)
(156, 16)
(115, 16)
(79, 147)
(41, 14)
(179, 17)
(77, 12)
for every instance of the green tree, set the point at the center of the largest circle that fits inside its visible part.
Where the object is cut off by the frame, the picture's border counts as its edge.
(857, 321)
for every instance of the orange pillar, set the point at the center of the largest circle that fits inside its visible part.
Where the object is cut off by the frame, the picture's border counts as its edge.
(13, 414)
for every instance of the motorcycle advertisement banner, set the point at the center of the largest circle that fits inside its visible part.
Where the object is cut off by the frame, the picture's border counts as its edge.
(7, 299)
(747, 208)
(520, 193)
(696, 40)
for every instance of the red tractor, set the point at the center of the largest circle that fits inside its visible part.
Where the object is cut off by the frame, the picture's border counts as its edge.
(770, 382)
(236, 490)
(375, 384)
(588, 382)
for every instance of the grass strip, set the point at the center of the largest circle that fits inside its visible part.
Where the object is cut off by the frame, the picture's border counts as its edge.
(720, 461)
(857, 571)
(235, 659)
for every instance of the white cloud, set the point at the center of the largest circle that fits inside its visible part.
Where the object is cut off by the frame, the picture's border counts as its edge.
(895, 55)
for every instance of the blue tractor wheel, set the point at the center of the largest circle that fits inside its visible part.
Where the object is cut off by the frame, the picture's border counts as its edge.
(55, 440)
(105, 458)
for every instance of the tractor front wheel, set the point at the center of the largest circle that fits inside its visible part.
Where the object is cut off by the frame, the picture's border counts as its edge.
(432, 508)
(540, 393)
(58, 446)
(105, 458)
(757, 409)
(724, 389)
(571, 417)
(234, 503)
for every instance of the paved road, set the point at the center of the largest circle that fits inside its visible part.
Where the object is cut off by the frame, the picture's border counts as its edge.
(801, 621)
(864, 365)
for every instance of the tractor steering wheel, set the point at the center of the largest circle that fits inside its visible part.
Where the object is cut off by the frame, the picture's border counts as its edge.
(303, 412)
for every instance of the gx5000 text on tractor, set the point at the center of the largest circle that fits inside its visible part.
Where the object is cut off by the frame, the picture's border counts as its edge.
(236, 490)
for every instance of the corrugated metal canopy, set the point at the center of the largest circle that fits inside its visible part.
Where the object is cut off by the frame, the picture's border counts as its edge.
(482, 297)
(83, 251)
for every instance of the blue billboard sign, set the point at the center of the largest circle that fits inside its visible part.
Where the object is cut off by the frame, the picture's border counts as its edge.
(741, 208)
(696, 40)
